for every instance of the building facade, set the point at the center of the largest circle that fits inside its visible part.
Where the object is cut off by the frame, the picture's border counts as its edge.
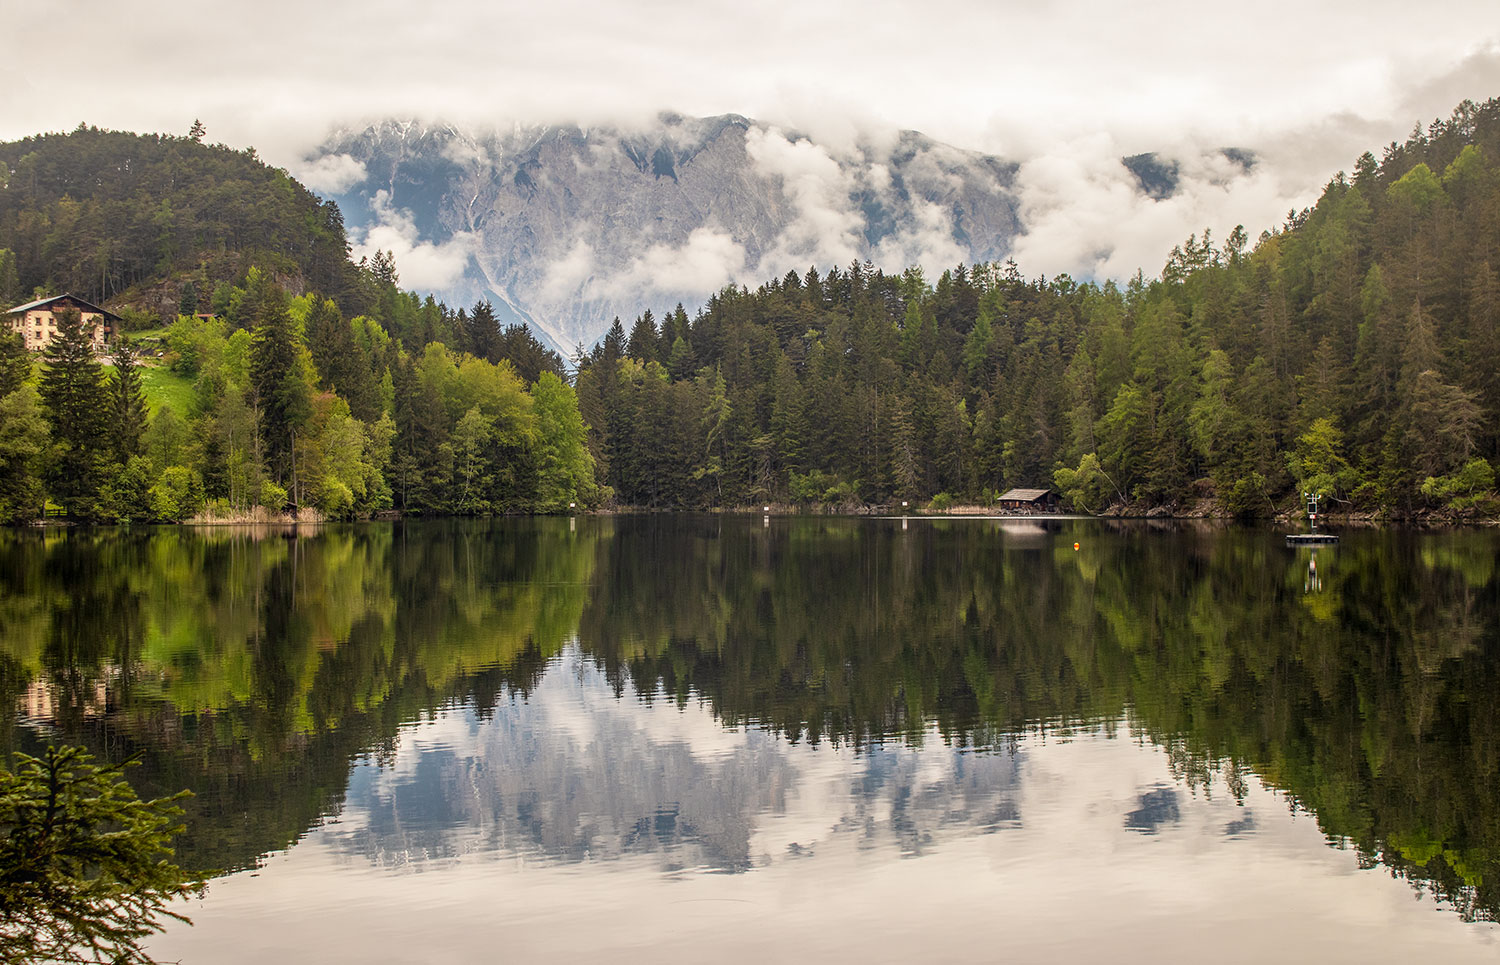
(36, 322)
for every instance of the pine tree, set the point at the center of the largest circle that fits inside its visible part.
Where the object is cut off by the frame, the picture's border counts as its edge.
(85, 865)
(278, 381)
(10, 279)
(484, 332)
(15, 362)
(643, 338)
(128, 398)
(23, 443)
(76, 403)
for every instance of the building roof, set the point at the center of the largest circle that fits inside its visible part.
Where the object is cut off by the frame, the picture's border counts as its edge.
(1025, 495)
(43, 302)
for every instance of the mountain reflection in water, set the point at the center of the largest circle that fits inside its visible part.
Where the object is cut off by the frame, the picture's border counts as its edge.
(883, 725)
(575, 773)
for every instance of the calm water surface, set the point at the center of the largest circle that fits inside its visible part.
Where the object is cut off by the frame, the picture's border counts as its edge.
(736, 739)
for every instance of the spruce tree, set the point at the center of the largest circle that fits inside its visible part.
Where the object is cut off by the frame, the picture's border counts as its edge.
(643, 338)
(23, 443)
(15, 362)
(128, 402)
(76, 403)
(484, 331)
(277, 380)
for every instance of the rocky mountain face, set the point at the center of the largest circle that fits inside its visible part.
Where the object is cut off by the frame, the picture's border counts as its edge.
(567, 227)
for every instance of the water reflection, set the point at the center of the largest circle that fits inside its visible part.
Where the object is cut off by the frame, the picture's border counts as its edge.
(736, 694)
(576, 773)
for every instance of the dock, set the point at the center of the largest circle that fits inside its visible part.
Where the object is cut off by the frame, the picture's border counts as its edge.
(1311, 539)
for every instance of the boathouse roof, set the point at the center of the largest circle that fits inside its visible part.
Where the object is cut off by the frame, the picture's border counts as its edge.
(1025, 495)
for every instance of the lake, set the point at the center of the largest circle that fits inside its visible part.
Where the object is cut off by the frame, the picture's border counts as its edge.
(740, 739)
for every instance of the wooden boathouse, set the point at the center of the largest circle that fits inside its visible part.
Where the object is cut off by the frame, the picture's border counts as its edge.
(1030, 501)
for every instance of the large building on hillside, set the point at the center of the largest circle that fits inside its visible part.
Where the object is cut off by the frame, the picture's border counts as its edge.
(36, 322)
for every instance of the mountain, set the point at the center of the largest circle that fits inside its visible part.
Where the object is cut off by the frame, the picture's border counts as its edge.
(566, 227)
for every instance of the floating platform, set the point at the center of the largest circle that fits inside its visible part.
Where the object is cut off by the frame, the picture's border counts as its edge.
(1311, 539)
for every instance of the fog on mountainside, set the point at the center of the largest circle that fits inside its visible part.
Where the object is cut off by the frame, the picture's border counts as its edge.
(567, 227)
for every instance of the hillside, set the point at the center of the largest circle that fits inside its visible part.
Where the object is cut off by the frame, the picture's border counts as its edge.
(114, 216)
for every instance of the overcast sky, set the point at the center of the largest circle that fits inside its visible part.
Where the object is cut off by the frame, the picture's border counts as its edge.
(1063, 87)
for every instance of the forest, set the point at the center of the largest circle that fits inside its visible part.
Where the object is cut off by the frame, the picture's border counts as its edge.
(1347, 351)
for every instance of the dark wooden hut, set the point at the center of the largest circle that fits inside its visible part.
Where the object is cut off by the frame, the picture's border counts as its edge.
(1030, 501)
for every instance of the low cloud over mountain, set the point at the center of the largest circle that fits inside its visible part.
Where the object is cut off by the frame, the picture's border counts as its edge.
(566, 227)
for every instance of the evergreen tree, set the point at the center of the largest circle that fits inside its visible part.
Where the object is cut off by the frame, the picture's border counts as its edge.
(530, 358)
(85, 869)
(15, 362)
(642, 345)
(187, 299)
(278, 381)
(23, 444)
(484, 332)
(76, 403)
(128, 398)
(10, 279)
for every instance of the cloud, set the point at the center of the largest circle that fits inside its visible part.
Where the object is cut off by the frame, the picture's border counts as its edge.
(824, 228)
(926, 241)
(1065, 87)
(423, 265)
(1084, 213)
(331, 173)
(706, 262)
(570, 275)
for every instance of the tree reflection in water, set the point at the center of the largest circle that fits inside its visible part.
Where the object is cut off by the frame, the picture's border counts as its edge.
(273, 673)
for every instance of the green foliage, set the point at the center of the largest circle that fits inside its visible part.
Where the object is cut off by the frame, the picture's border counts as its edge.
(1418, 187)
(15, 362)
(820, 487)
(10, 279)
(23, 445)
(1247, 496)
(941, 503)
(1471, 487)
(85, 873)
(565, 469)
(177, 495)
(271, 496)
(128, 494)
(1318, 464)
(1087, 488)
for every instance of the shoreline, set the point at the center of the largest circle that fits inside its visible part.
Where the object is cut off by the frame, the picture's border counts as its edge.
(260, 517)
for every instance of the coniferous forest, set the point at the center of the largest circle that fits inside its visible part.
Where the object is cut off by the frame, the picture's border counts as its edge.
(1348, 351)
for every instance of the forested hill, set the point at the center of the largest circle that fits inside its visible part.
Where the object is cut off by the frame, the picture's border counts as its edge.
(1352, 351)
(107, 213)
(1349, 351)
